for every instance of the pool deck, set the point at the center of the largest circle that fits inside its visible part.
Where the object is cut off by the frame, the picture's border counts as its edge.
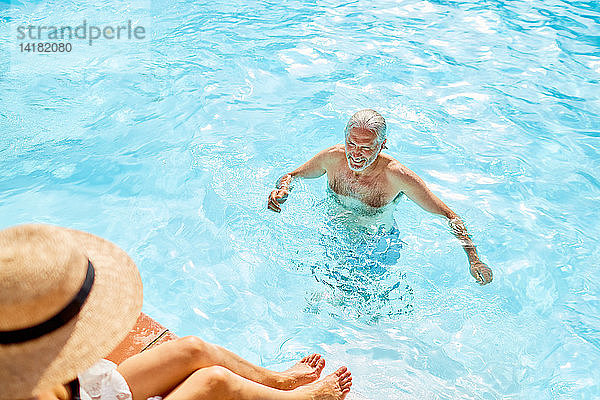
(146, 333)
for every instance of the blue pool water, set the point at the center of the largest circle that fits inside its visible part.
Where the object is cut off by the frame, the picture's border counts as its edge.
(170, 145)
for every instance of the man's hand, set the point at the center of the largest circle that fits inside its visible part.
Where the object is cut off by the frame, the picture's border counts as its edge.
(277, 197)
(481, 272)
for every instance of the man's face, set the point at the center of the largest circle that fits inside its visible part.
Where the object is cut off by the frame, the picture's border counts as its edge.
(362, 148)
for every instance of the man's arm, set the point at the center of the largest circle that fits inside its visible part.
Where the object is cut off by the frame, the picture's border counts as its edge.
(313, 168)
(414, 187)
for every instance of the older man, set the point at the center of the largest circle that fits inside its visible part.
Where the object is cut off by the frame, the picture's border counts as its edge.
(361, 171)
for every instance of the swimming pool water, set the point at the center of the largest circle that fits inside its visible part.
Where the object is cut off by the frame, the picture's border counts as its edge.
(170, 146)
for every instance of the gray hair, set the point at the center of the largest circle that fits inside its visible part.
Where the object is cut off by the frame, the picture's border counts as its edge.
(368, 119)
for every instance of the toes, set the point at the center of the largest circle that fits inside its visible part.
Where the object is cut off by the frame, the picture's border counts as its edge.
(320, 364)
(308, 359)
(345, 379)
(316, 361)
(312, 360)
(346, 383)
(341, 371)
(319, 368)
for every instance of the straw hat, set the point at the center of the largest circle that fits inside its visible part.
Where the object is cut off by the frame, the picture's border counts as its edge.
(72, 295)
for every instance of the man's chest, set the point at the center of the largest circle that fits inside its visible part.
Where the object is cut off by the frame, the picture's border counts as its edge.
(374, 191)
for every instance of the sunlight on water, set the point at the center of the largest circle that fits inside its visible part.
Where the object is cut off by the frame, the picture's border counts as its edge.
(169, 147)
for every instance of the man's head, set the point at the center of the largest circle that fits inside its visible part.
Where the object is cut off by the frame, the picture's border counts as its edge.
(365, 137)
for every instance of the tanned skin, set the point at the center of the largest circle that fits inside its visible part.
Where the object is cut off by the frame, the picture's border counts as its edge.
(190, 369)
(360, 170)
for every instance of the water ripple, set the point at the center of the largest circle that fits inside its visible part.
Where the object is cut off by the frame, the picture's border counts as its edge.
(170, 148)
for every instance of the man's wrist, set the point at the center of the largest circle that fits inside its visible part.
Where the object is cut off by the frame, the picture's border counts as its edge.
(471, 253)
(285, 182)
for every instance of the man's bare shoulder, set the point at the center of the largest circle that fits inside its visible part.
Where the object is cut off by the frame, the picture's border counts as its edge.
(393, 166)
(398, 172)
(333, 153)
(337, 150)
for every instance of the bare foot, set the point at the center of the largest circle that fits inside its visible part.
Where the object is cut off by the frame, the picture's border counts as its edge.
(333, 387)
(305, 371)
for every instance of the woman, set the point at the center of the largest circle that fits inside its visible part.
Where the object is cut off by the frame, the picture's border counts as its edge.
(67, 298)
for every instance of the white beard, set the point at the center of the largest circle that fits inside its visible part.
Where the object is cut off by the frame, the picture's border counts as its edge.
(365, 166)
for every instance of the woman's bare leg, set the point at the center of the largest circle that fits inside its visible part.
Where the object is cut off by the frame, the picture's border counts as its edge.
(215, 382)
(159, 370)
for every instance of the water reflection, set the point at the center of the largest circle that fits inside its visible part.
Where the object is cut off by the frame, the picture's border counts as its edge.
(359, 272)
